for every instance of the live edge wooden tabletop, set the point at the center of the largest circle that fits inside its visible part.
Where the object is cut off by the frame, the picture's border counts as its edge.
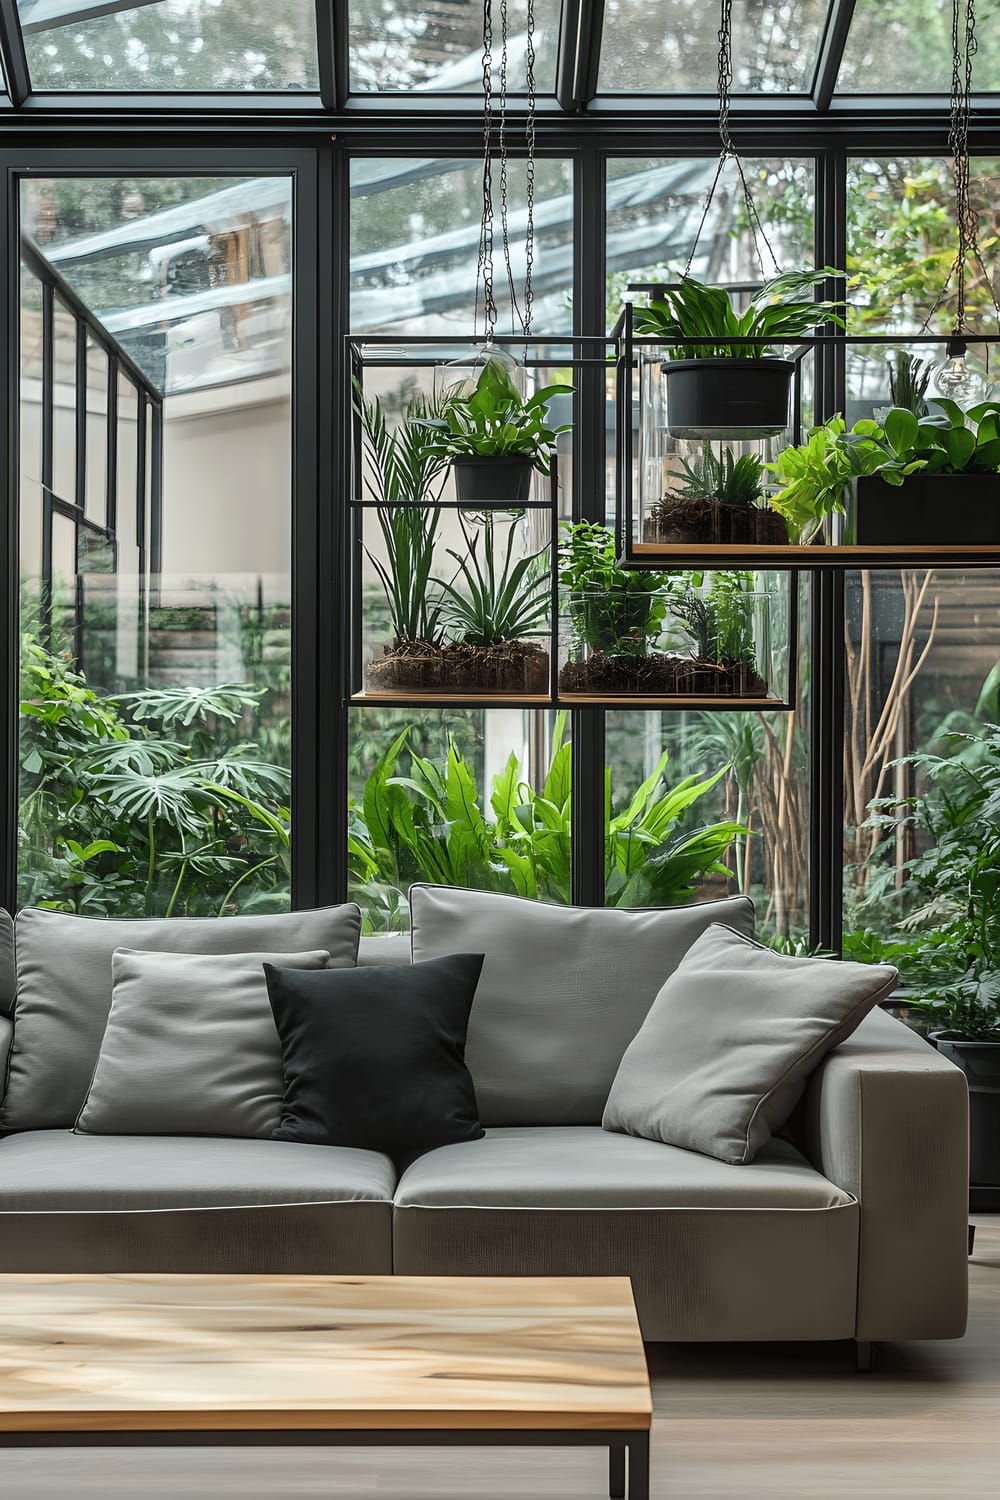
(185, 1353)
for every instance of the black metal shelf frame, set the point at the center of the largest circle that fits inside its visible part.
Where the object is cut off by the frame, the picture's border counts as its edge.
(723, 555)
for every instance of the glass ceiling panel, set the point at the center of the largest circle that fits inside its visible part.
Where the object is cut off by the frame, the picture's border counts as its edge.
(437, 47)
(200, 45)
(672, 46)
(904, 47)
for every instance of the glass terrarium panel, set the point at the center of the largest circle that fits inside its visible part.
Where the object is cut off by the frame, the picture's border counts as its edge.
(650, 47)
(895, 47)
(455, 602)
(396, 48)
(707, 433)
(209, 46)
(679, 635)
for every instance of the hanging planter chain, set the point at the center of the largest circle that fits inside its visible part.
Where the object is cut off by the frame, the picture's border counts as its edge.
(730, 153)
(484, 270)
(964, 46)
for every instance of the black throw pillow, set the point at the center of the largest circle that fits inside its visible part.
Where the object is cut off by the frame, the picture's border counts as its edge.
(375, 1057)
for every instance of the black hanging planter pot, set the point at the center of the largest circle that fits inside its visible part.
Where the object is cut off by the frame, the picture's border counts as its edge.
(980, 1062)
(926, 510)
(734, 399)
(484, 480)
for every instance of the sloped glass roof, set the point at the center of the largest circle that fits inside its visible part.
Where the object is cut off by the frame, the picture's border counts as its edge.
(363, 55)
(672, 46)
(437, 47)
(162, 45)
(904, 47)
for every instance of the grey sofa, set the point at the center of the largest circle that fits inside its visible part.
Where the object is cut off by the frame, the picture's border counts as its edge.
(858, 1230)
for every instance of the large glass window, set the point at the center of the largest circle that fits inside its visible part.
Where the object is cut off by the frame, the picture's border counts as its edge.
(155, 494)
(923, 685)
(467, 797)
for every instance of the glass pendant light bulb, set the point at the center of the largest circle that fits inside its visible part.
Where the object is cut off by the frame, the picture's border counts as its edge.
(956, 376)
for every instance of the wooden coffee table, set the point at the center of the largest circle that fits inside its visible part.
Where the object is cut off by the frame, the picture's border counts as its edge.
(275, 1360)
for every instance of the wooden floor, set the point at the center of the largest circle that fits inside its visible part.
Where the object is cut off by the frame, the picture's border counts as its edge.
(778, 1422)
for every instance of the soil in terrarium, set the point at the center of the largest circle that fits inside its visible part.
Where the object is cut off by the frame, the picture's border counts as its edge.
(460, 667)
(686, 518)
(659, 675)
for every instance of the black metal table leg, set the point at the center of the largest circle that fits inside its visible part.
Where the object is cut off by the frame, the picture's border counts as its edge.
(638, 1465)
(616, 1471)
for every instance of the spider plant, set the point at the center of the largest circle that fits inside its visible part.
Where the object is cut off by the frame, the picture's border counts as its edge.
(780, 312)
(404, 477)
(494, 602)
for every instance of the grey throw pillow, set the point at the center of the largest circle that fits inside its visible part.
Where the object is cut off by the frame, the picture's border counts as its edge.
(64, 988)
(723, 1056)
(563, 991)
(191, 1047)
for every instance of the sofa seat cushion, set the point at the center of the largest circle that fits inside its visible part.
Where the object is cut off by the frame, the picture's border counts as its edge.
(765, 1251)
(586, 1167)
(192, 1204)
(56, 1169)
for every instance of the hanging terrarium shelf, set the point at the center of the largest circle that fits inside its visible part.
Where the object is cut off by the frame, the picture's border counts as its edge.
(731, 469)
(479, 596)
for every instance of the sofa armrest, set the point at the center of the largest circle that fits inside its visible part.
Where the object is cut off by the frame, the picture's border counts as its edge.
(6, 1037)
(887, 1118)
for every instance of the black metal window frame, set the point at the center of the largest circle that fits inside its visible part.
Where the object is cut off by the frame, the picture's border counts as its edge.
(319, 167)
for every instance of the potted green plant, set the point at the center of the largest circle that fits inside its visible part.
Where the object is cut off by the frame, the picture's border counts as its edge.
(948, 461)
(716, 498)
(953, 976)
(493, 439)
(715, 388)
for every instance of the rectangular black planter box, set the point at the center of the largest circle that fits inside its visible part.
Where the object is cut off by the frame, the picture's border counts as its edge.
(926, 510)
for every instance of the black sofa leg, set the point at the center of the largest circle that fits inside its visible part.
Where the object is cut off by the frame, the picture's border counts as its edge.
(972, 1238)
(864, 1356)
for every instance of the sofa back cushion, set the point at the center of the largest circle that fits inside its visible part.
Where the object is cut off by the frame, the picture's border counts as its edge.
(563, 991)
(8, 980)
(64, 984)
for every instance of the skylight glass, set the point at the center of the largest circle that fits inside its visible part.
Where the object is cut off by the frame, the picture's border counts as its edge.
(672, 46)
(438, 47)
(898, 47)
(193, 45)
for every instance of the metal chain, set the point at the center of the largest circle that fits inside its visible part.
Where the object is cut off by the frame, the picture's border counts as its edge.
(529, 131)
(730, 153)
(504, 205)
(964, 46)
(484, 270)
